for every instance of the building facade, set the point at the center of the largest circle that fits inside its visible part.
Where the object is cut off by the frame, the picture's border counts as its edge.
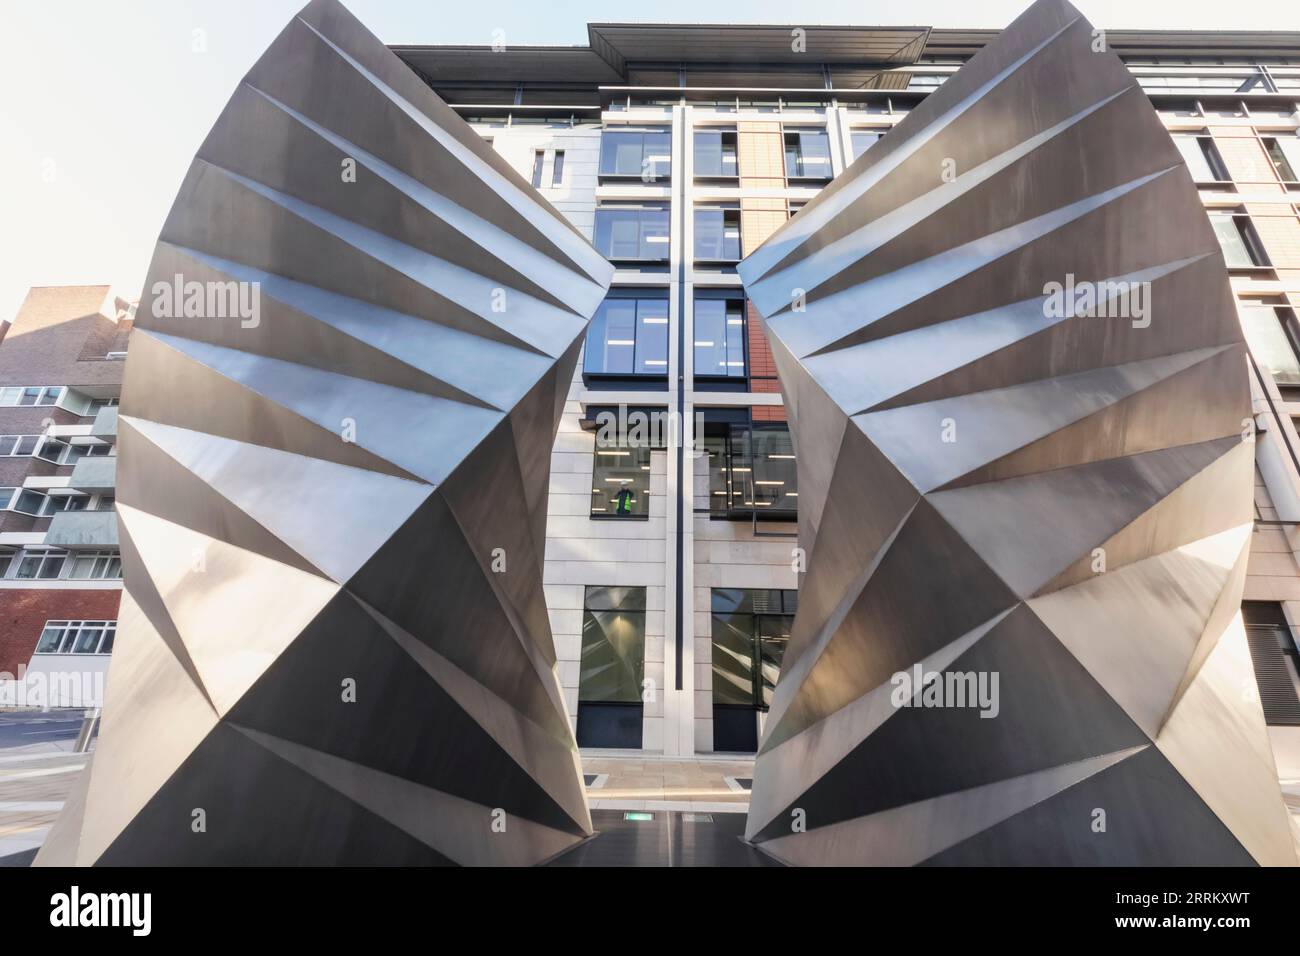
(672, 567)
(60, 570)
(672, 560)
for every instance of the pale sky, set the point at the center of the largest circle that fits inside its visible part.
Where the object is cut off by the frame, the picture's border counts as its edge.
(104, 102)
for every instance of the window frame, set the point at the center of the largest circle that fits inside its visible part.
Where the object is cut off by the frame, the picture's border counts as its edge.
(1281, 160)
(604, 472)
(69, 636)
(731, 606)
(628, 602)
(648, 216)
(1250, 240)
(722, 133)
(608, 165)
(737, 352)
(734, 442)
(799, 133)
(729, 215)
(1209, 153)
(646, 321)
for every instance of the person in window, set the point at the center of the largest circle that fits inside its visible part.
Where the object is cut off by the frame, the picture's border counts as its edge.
(624, 501)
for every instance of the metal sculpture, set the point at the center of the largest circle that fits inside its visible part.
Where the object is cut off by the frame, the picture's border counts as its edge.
(346, 375)
(1017, 383)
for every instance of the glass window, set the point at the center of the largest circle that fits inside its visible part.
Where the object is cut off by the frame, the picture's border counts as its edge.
(611, 341)
(7, 496)
(52, 637)
(557, 173)
(31, 502)
(95, 566)
(715, 153)
(644, 154)
(720, 338)
(807, 154)
(620, 481)
(59, 503)
(1241, 249)
(539, 159)
(18, 445)
(717, 234)
(751, 629)
(752, 472)
(1202, 159)
(864, 139)
(77, 637)
(75, 453)
(613, 645)
(634, 232)
(31, 395)
(628, 336)
(41, 565)
(1290, 147)
(54, 450)
(926, 81)
(1274, 338)
(88, 637)
(652, 337)
(1286, 168)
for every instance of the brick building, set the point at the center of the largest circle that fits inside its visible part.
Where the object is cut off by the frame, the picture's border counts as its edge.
(60, 569)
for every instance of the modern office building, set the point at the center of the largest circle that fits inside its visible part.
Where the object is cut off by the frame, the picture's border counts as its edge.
(672, 577)
(60, 571)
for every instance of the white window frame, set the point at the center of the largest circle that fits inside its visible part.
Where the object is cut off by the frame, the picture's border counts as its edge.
(71, 635)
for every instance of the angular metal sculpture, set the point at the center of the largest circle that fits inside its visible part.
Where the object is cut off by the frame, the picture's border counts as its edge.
(1000, 481)
(334, 647)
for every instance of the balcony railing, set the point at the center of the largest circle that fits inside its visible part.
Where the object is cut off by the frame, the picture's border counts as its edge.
(98, 474)
(83, 529)
(105, 425)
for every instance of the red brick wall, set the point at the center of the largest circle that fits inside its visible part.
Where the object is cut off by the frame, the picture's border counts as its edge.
(762, 368)
(59, 338)
(23, 613)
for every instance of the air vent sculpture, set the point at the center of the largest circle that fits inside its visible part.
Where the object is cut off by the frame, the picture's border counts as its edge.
(334, 646)
(1018, 388)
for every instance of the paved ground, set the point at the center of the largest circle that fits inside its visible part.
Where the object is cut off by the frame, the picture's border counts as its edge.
(37, 769)
(695, 807)
(636, 781)
(665, 838)
(21, 730)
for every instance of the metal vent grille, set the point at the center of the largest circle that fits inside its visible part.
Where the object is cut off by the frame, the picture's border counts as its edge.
(1277, 689)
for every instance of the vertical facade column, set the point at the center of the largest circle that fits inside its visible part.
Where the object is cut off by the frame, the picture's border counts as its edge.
(684, 196)
(676, 560)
